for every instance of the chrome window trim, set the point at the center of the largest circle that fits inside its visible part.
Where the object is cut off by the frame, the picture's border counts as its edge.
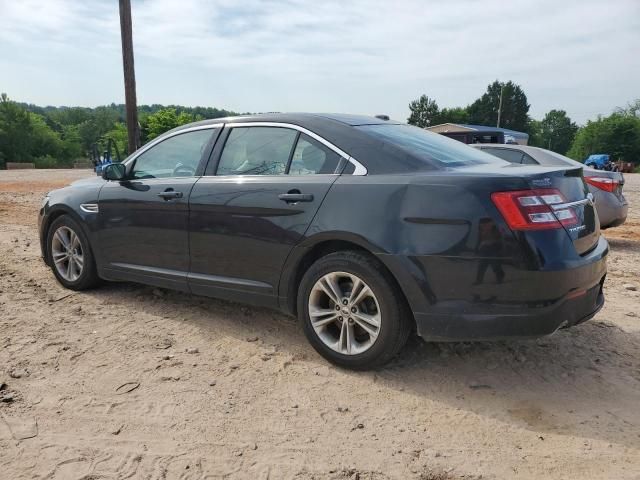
(277, 175)
(359, 169)
(164, 137)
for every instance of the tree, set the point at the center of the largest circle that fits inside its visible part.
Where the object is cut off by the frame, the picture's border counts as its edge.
(453, 115)
(164, 120)
(55, 136)
(632, 108)
(71, 142)
(120, 136)
(15, 128)
(555, 132)
(514, 112)
(43, 140)
(618, 135)
(64, 116)
(26, 136)
(424, 112)
(535, 133)
(101, 121)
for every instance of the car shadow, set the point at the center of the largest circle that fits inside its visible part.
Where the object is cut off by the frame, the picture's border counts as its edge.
(623, 244)
(583, 381)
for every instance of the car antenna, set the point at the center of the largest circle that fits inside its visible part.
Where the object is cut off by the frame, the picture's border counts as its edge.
(383, 117)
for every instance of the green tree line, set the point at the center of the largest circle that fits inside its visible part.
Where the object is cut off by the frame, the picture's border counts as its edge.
(53, 137)
(57, 136)
(617, 134)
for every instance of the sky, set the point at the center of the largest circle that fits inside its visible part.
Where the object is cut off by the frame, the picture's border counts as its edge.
(351, 56)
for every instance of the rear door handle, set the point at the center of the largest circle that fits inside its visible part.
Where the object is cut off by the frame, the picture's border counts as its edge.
(296, 197)
(169, 194)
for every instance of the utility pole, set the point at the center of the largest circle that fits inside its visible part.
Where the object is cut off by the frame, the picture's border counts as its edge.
(500, 106)
(133, 130)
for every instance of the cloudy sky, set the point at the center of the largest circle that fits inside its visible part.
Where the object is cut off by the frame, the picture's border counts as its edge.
(357, 56)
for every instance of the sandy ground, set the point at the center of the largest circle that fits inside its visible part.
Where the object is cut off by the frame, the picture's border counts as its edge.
(255, 401)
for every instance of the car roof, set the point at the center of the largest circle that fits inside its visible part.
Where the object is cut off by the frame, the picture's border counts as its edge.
(337, 128)
(298, 118)
(377, 154)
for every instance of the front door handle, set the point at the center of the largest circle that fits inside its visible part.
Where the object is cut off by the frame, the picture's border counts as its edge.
(291, 197)
(169, 194)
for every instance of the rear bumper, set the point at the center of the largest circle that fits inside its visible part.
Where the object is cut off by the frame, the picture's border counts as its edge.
(612, 211)
(472, 299)
(519, 322)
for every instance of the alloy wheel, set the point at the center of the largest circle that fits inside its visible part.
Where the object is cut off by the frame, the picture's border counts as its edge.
(67, 254)
(344, 313)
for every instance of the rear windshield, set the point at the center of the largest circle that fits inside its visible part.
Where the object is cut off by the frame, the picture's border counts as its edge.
(428, 146)
(563, 159)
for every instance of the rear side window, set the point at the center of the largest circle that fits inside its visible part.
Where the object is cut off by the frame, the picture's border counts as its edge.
(511, 156)
(312, 157)
(428, 146)
(257, 151)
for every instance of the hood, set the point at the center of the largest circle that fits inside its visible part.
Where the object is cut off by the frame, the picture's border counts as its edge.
(88, 181)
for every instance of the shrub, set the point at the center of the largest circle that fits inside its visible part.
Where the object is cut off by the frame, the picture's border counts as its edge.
(46, 161)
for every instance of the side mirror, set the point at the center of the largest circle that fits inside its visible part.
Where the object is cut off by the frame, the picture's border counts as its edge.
(114, 171)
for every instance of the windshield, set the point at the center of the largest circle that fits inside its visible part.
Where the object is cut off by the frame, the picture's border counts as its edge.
(429, 146)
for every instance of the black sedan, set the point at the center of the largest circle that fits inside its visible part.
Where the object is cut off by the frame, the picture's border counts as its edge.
(364, 228)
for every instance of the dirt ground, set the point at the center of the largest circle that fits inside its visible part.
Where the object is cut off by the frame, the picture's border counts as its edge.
(226, 391)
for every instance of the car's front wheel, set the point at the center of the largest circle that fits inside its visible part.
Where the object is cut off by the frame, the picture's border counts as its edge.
(351, 310)
(70, 255)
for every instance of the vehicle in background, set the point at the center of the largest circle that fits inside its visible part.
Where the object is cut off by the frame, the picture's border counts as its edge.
(472, 134)
(625, 167)
(100, 161)
(601, 161)
(485, 136)
(366, 229)
(606, 186)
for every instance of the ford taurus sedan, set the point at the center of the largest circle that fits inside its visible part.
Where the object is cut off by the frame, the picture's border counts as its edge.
(605, 186)
(364, 228)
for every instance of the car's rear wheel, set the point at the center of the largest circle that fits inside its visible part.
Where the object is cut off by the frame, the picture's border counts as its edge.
(70, 255)
(351, 310)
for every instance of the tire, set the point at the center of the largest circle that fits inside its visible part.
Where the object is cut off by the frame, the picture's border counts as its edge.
(352, 345)
(69, 272)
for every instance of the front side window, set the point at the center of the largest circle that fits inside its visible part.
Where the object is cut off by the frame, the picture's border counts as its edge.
(257, 151)
(311, 157)
(177, 156)
(428, 146)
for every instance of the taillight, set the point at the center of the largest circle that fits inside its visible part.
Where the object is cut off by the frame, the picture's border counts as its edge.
(534, 209)
(603, 183)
